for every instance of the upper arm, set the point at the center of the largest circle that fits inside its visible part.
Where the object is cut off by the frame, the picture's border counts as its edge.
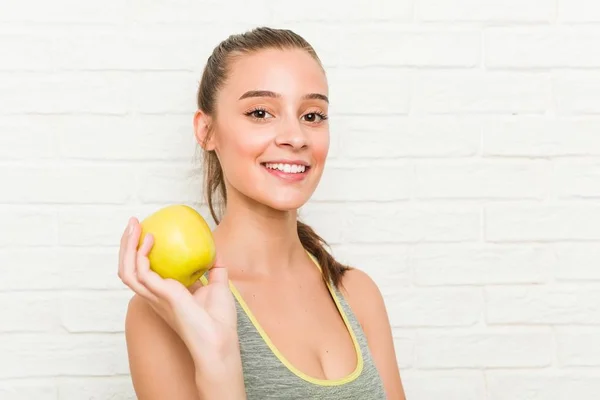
(160, 364)
(366, 301)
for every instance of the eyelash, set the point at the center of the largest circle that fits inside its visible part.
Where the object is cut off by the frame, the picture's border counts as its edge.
(321, 115)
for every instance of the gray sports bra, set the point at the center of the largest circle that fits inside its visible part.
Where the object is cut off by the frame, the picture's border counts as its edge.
(268, 375)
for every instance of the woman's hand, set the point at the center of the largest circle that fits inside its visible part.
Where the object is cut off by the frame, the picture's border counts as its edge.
(204, 318)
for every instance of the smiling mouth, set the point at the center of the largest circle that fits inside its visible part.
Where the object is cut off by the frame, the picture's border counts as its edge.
(286, 168)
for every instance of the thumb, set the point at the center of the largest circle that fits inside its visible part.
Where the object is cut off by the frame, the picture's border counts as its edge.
(218, 274)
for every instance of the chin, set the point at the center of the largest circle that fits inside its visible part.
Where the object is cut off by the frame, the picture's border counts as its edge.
(285, 203)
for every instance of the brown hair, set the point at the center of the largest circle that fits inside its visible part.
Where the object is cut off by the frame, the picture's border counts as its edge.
(213, 78)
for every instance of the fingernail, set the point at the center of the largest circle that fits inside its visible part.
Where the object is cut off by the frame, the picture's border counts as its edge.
(130, 230)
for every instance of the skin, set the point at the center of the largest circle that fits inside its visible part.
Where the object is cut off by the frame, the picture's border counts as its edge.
(192, 331)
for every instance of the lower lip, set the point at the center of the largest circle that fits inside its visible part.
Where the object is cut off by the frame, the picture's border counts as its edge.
(290, 177)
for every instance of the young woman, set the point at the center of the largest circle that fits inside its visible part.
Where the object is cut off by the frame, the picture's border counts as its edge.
(277, 317)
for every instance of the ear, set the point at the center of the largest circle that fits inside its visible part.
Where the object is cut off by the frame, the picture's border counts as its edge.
(201, 130)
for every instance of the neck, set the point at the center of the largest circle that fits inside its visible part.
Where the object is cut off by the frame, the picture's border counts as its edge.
(257, 239)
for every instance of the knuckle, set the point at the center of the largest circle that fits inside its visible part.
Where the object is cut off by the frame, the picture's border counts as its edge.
(142, 277)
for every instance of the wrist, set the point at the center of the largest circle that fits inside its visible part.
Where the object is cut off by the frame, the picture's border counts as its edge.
(223, 379)
(219, 373)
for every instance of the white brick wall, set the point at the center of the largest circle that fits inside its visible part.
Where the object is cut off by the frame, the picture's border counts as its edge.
(464, 177)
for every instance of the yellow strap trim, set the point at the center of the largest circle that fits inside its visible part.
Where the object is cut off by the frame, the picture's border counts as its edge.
(320, 382)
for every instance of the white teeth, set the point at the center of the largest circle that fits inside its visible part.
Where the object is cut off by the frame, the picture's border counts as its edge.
(287, 168)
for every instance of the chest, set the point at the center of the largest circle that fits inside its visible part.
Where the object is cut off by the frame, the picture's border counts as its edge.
(284, 372)
(303, 326)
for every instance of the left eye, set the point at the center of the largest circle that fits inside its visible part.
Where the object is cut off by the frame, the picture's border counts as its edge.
(313, 117)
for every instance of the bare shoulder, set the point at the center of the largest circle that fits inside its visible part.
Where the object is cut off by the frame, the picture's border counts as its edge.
(159, 362)
(366, 300)
(363, 295)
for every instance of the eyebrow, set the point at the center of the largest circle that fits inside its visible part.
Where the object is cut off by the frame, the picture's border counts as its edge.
(268, 93)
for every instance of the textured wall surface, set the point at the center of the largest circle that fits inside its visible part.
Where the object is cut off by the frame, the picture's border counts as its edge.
(463, 177)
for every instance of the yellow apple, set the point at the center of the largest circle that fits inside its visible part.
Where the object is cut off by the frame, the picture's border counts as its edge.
(183, 247)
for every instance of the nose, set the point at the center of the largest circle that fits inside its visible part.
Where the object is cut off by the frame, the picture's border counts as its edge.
(291, 134)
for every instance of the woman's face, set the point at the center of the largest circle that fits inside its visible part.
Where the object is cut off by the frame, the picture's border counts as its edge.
(271, 130)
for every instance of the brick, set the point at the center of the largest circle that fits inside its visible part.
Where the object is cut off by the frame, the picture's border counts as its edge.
(104, 47)
(434, 307)
(462, 92)
(576, 261)
(414, 136)
(481, 180)
(373, 84)
(27, 138)
(103, 225)
(174, 46)
(354, 11)
(391, 46)
(207, 11)
(66, 11)
(484, 348)
(27, 226)
(96, 225)
(481, 264)
(394, 223)
(404, 346)
(577, 347)
(449, 385)
(172, 93)
(94, 311)
(543, 385)
(577, 93)
(29, 312)
(387, 265)
(46, 355)
(543, 305)
(542, 137)
(171, 184)
(151, 137)
(576, 179)
(355, 182)
(541, 47)
(52, 48)
(524, 222)
(487, 10)
(51, 184)
(60, 268)
(65, 92)
(328, 220)
(27, 389)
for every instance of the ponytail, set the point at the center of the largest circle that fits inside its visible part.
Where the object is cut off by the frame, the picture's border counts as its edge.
(315, 245)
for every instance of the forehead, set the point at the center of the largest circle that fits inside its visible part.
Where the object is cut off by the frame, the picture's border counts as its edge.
(289, 72)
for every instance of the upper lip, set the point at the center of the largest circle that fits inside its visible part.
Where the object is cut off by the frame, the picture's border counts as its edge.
(292, 162)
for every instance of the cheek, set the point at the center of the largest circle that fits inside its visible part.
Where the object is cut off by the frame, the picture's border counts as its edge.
(237, 143)
(239, 149)
(320, 146)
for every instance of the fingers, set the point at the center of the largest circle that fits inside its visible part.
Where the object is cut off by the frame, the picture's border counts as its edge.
(128, 261)
(122, 248)
(148, 278)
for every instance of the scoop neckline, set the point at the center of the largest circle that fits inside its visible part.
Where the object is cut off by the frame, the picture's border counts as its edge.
(279, 355)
